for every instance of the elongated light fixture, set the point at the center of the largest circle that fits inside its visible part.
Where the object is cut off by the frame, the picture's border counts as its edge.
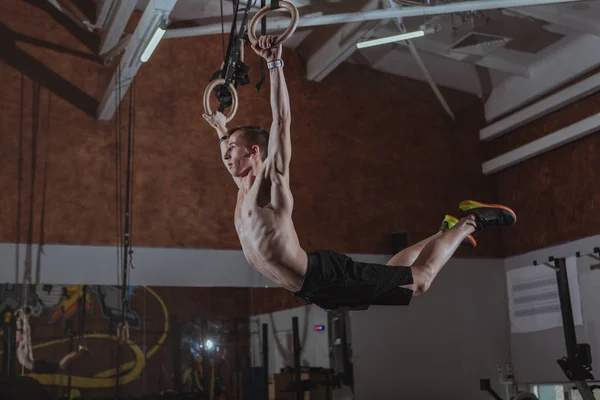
(151, 46)
(425, 30)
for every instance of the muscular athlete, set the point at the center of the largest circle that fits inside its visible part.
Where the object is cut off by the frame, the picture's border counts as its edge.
(259, 162)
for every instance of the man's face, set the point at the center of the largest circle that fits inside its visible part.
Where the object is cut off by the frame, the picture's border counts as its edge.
(238, 156)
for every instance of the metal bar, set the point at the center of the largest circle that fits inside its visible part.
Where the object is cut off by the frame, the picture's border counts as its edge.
(236, 370)
(130, 62)
(428, 78)
(205, 354)
(297, 377)
(70, 367)
(584, 390)
(177, 355)
(115, 26)
(464, 6)
(265, 356)
(566, 307)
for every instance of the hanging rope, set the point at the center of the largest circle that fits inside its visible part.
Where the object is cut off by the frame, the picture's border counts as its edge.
(45, 184)
(24, 312)
(20, 183)
(118, 171)
(127, 252)
(34, 133)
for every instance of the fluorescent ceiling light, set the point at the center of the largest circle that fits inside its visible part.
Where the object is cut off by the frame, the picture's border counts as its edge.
(425, 30)
(153, 43)
(390, 39)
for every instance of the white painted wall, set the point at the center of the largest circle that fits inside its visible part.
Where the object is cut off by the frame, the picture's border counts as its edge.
(71, 264)
(439, 346)
(534, 354)
(315, 347)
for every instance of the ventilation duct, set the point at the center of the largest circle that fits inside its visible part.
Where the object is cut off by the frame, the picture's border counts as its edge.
(478, 44)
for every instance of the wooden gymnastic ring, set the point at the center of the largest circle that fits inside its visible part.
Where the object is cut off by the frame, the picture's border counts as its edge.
(234, 98)
(286, 34)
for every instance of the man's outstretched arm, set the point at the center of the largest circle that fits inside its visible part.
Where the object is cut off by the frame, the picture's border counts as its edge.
(218, 121)
(280, 145)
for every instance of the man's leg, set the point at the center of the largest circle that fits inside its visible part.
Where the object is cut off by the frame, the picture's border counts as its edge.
(437, 253)
(478, 216)
(407, 257)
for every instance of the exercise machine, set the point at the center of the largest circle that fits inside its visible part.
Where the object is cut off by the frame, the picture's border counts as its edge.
(577, 365)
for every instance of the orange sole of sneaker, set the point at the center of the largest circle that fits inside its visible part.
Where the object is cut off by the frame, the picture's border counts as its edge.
(472, 240)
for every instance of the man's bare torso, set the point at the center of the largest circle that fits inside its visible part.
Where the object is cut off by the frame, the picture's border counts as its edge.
(263, 221)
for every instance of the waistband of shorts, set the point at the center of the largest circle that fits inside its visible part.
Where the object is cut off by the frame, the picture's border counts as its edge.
(313, 261)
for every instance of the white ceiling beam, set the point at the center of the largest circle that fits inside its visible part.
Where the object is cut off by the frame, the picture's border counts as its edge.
(155, 14)
(103, 8)
(416, 11)
(421, 64)
(115, 23)
(578, 21)
(84, 24)
(340, 46)
(560, 63)
(541, 108)
(429, 79)
(559, 138)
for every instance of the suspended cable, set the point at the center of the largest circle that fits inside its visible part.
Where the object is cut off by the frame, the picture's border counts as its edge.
(127, 253)
(20, 183)
(118, 169)
(44, 187)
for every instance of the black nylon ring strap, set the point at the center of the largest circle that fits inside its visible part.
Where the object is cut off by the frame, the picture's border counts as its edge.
(263, 31)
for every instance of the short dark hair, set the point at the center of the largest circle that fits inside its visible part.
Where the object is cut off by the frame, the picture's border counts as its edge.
(253, 135)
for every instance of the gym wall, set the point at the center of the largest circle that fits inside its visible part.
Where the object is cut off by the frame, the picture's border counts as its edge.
(372, 152)
(315, 345)
(534, 354)
(442, 344)
(556, 195)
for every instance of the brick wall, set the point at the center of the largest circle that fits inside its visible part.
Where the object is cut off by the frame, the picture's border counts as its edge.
(372, 152)
(556, 194)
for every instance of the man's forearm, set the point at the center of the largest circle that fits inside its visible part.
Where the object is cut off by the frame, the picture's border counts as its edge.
(222, 133)
(280, 99)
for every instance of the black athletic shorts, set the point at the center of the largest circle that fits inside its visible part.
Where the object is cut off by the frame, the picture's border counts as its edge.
(44, 367)
(335, 281)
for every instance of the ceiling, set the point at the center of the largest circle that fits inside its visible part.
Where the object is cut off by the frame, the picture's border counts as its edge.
(526, 51)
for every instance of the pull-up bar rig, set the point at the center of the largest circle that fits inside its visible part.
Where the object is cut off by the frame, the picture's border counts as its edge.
(233, 71)
(577, 365)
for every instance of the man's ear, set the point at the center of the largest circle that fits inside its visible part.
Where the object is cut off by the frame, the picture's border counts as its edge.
(255, 150)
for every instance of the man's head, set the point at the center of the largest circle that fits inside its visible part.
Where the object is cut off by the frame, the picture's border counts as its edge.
(246, 146)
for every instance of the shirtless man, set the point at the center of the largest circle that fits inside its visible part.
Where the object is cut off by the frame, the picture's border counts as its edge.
(259, 163)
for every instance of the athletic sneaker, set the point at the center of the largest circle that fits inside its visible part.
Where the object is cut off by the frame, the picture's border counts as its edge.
(487, 215)
(448, 222)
